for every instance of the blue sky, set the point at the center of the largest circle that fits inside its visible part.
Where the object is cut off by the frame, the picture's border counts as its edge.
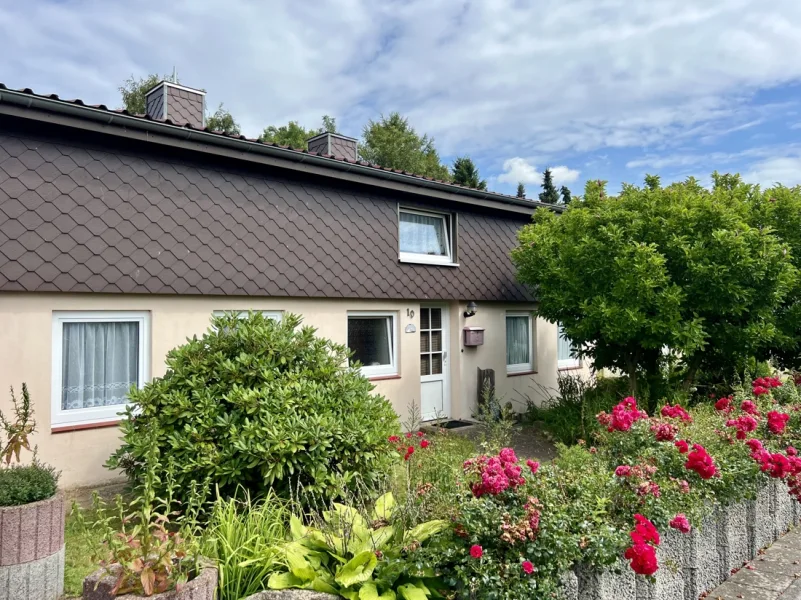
(595, 89)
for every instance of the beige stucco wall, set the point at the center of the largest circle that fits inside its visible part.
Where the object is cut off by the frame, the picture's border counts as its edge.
(26, 322)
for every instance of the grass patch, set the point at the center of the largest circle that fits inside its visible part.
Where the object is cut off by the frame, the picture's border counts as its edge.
(78, 561)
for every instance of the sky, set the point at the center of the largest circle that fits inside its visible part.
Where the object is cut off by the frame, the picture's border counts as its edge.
(593, 89)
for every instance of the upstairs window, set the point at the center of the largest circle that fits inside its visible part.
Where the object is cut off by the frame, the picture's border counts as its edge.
(565, 357)
(425, 237)
(371, 337)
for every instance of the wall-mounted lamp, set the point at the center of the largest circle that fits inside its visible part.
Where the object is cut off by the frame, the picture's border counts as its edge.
(472, 308)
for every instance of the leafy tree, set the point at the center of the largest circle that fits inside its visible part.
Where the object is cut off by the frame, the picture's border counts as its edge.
(133, 92)
(465, 173)
(391, 142)
(549, 195)
(295, 135)
(521, 190)
(222, 120)
(566, 196)
(658, 278)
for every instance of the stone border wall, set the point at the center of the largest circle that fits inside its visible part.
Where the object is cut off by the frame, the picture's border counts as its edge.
(694, 563)
(32, 550)
(99, 584)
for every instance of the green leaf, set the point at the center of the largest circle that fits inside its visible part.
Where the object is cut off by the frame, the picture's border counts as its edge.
(388, 595)
(298, 565)
(409, 591)
(296, 528)
(368, 591)
(384, 507)
(323, 584)
(357, 570)
(425, 530)
(283, 581)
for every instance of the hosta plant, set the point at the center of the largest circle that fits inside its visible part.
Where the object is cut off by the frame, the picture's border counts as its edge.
(358, 556)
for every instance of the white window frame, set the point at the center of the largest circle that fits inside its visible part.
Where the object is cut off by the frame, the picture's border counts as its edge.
(522, 367)
(566, 363)
(276, 315)
(427, 259)
(99, 414)
(392, 332)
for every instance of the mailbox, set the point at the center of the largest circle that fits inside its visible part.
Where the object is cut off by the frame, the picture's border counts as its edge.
(473, 336)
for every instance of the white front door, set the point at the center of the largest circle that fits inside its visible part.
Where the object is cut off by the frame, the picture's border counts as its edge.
(434, 393)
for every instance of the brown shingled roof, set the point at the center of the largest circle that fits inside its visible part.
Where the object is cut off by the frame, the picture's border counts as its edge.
(456, 187)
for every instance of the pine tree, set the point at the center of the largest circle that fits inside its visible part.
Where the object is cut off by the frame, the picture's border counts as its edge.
(548, 195)
(566, 195)
(465, 173)
(521, 190)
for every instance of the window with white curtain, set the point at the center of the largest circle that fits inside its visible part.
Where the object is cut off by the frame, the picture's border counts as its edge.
(425, 237)
(519, 344)
(564, 346)
(97, 358)
(372, 339)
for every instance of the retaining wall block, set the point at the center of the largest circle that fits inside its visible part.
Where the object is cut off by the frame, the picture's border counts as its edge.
(569, 586)
(618, 583)
(733, 542)
(668, 582)
(701, 564)
(784, 512)
(760, 520)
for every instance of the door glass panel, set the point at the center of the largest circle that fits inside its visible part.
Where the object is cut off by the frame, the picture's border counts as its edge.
(436, 318)
(424, 321)
(425, 364)
(436, 364)
(425, 345)
(436, 341)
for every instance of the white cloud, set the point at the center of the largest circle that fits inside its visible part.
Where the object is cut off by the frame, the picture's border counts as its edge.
(781, 169)
(516, 170)
(487, 78)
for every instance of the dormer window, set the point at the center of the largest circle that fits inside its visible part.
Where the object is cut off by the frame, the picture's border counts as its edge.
(425, 237)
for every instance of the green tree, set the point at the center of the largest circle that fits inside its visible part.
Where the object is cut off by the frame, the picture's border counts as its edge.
(658, 278)
(295, 135)
(391, 142)
(222, 120)
(521, 190)
(465, 173)
(133, 92)
(549, 195)
(566, 195)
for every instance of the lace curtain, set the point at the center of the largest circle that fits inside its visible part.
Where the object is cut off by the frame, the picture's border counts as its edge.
(517, 341)
(422, 234)
(100, 363)
(564, 346)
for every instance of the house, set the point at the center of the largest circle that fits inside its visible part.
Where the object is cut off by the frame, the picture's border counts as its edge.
(120, 235)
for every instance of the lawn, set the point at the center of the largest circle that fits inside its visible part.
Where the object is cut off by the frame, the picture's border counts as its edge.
(78, 559)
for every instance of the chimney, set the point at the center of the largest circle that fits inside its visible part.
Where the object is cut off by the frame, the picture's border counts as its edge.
(334, 144)
(178, 103)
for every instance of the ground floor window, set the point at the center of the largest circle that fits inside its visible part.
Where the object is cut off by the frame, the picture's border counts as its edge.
(566, 358)
(97, 358)
(519, 344)
(372, 339)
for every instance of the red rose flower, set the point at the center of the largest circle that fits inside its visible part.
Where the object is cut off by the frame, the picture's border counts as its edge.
(777, 422)
(623, 471)
(643, 559)
(528, 567)
(425, 444)
(644, 531)
(681, 523)
(683, 446)
(533, 466)
(676, 412)
(476, 551)
(723, 405)
(701, 462)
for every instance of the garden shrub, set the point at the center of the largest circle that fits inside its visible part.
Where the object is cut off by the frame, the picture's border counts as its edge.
(22, 484)
(260, 404)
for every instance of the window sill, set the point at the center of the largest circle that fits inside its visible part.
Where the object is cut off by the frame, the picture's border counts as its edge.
(421, 261)
(383, 377)
(519, 373)
(79, 427)
(570, 368)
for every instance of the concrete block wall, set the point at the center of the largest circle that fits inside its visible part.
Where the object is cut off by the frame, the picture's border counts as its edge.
(695, 563)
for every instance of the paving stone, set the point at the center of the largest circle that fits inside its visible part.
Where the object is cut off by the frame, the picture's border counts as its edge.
(736, 591)
(793, 592)
(762, 579)
(782, 567)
